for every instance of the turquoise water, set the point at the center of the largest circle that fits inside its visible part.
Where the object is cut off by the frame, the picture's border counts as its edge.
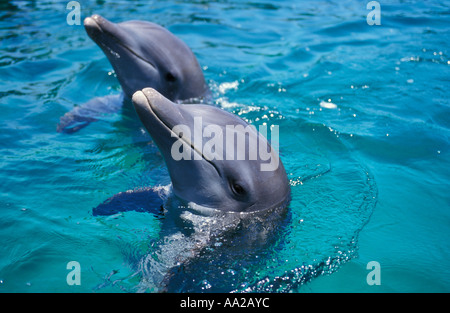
(364, 121)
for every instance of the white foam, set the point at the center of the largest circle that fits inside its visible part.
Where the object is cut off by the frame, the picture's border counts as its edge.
(224, 87)
(328, 105)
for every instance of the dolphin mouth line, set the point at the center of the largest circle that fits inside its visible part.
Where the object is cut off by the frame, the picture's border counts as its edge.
(209, 211)
(182, 138)
(118, 41)
(130, 50)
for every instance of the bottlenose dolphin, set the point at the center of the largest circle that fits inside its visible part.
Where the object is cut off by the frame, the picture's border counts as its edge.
(224, 193)
(215, 178)
(218, 199)
(143, 54)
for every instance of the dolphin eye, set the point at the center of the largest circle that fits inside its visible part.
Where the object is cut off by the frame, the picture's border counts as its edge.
(170, 77)
(237, 189)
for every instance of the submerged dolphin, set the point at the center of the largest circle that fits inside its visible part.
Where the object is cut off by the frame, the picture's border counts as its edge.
(143, 54)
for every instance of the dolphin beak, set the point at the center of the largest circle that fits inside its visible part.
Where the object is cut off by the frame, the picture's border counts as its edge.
(109, 35)
(159, 115)
(144, 104)
(94, 26)
(151, 104)
(102, 31)
(91, 24)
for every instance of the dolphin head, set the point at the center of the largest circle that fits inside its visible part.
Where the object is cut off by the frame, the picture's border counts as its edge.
(144, 54)
(208, 163)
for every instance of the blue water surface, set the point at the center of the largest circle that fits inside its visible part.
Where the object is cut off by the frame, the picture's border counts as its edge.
(364, 120)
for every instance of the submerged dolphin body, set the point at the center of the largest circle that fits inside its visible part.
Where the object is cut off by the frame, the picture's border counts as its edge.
(143, 54)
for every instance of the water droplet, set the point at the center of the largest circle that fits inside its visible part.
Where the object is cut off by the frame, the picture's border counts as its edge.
(206, 284)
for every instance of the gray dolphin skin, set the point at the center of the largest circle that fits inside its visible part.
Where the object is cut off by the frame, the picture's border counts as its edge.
(143, 54)
(227, 183)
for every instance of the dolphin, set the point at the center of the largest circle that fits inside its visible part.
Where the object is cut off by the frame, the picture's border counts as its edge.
(214, 178)
(223, 193)
(143, 54)
(217, 199)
